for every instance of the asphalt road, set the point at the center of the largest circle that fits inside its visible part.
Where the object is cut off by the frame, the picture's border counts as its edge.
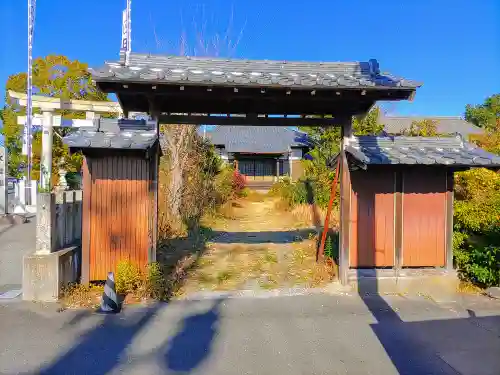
(317, 334)
(15, 242)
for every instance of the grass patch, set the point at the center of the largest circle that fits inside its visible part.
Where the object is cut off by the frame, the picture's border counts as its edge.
(223, 276)
(270, 257)
(468, 287)
(78, 295)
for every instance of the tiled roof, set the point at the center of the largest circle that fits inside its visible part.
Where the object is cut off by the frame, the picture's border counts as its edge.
(114, 134)
(420, 150)
(255, 139)
(444, 125)
(235, 72)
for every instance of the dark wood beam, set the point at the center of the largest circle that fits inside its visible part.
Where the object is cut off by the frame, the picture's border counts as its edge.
(273, 100)
(191, 88)
(248, 120)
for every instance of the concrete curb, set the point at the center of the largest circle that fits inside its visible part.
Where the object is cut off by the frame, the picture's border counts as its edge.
(332, 289)
(493, 292)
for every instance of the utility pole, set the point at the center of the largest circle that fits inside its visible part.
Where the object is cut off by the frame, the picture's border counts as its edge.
(29, 109)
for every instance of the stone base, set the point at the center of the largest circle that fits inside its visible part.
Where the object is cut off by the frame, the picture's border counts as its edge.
(439, 284)
(44, 275)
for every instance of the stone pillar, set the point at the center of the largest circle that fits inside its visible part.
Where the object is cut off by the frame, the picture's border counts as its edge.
(290, 165)
(4, 193)
(46, 158)
(277, 169)
(45, 223)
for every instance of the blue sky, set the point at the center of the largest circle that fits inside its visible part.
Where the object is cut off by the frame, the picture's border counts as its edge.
(451, 46)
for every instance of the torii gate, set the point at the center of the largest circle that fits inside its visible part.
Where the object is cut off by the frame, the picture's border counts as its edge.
(48, 121)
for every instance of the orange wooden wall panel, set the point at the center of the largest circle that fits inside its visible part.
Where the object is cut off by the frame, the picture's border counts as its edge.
(372, 219)
(424, 217)
(119, 217)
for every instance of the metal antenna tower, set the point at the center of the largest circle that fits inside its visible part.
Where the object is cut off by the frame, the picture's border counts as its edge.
(126, 31)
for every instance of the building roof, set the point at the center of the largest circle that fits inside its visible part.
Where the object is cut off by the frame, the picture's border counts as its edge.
(260, 73)
(255, 139)
(444, 125)
(114, 134)
(453, 151)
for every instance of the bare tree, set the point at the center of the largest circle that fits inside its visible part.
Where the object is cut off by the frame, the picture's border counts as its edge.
(178, 141)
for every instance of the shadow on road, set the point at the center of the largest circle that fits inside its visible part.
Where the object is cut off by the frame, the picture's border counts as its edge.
(263, 237)
(99, 350)
(192, 344)
(103, 348)
(421, 347)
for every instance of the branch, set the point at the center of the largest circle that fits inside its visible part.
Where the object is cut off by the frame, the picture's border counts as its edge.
(157, 41)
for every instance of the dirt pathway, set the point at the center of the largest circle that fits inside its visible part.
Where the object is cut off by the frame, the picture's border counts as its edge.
(257, 246)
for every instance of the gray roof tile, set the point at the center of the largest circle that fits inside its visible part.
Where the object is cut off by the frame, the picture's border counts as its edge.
(255, 139)
(444, 125)
(234, 72)
(420, 150)
(114, 134)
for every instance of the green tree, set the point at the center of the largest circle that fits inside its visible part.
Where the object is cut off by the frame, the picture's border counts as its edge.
(422, 128)
(328, 140)
(368, 124)
(477, 203)
(54, 76)
(327, 145)
(486, 115)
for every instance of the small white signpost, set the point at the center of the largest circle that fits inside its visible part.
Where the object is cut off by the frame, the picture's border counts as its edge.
(4, 193)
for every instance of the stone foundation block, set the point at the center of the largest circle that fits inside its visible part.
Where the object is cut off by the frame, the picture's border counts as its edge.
(44, 275)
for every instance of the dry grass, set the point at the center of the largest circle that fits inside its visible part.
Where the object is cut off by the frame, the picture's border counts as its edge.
(468, 288)
(313, 216)
(78, 295)
(254, 196)
(227, 267)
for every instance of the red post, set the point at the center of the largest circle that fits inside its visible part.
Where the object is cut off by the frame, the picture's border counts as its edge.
(321, 250)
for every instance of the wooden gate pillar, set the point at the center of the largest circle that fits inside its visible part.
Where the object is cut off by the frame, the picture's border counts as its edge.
(345, 203)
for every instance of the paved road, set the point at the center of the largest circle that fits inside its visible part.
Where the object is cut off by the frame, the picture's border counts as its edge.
(318, 334)
(15, 241)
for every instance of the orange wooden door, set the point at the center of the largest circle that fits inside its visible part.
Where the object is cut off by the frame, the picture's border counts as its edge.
(424, 217)
(118, 213)
(372, 219)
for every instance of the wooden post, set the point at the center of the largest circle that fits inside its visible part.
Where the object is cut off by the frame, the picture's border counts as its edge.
(398, 220)
(87, 191)
(155, 115)
(449, 220)
(345, 203)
